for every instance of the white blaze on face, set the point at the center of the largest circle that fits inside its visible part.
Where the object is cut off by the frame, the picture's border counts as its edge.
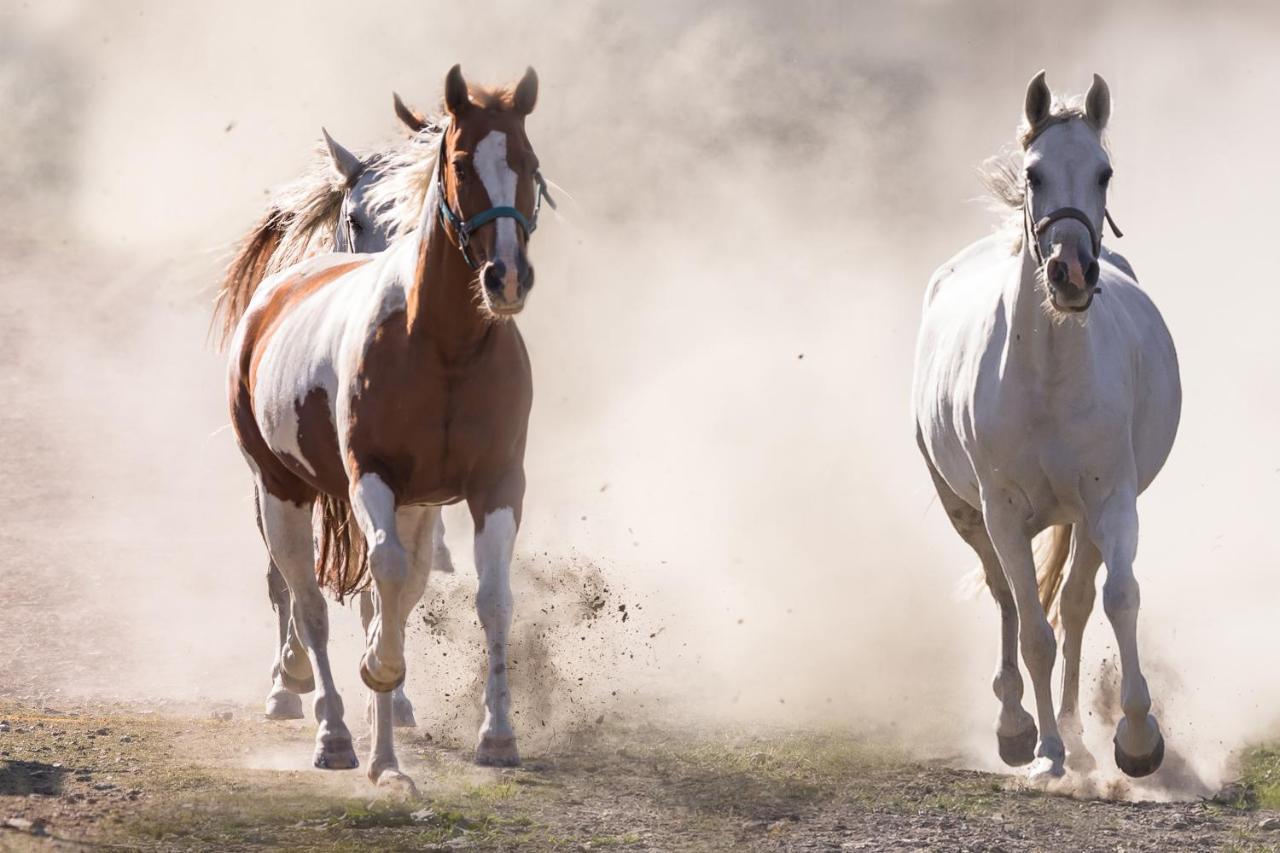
(499, 181)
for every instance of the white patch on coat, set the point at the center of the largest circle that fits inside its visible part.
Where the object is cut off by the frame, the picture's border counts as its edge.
(499, 181)
(319, 342)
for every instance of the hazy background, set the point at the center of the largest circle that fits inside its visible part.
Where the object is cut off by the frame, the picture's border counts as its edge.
(755, 195)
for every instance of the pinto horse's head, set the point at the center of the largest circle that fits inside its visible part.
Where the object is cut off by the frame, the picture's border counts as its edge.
(491, 186)
(1067, 171)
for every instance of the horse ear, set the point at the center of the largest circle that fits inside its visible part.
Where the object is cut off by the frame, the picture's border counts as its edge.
(407, 115)
(346, 164)
(1038, 101)
(526, 92)
(1097, 104)
(456, 99)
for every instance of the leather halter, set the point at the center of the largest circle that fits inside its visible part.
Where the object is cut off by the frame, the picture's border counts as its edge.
(464, 228)
(1035, 231)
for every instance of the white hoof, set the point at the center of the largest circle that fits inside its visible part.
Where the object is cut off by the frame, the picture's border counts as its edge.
(1044, 771)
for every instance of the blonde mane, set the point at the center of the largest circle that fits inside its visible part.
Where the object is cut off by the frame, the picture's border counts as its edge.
(400, 192)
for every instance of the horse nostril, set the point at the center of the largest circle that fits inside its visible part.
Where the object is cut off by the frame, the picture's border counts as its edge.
(526, 277)
(1057, 271)
(1091, 274)
(494, 273)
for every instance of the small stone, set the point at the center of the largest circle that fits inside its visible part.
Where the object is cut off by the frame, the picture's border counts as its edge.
(1270, 824)
(126, 739)
(5, 727)
(422, 815)
(104, 731)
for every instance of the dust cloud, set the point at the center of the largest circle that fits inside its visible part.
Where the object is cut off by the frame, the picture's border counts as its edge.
(754, 197)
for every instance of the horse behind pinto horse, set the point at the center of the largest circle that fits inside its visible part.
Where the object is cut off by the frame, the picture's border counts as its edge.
(1047, 396)
(370, 390)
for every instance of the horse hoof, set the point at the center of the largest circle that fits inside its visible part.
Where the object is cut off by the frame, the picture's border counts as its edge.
(402, 712)
(375, 685)
(1045, 771)
(297, 685)
(283, 705)
(1141, 765)
(1018, 750)
(497, 751)
(394, 782)
(336, 753)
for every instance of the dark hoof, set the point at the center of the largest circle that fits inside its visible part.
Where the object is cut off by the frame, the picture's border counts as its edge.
(336, 754)
(1018, 750)
(378, 686)
(297, 685)
(497, 751)
(1143, 765)
(284, 706)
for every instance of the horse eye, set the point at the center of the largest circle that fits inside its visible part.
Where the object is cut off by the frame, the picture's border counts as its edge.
(354, 223)
(1033, 179)
(1105, 178)
(460, 171)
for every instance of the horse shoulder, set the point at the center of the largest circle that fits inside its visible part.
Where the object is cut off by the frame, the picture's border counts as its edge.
(967, 265)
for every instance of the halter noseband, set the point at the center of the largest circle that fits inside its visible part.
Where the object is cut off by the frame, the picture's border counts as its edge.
(464, 228)
(1036, 230)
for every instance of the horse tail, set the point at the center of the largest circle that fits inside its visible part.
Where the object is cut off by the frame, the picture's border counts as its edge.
(252, 263)
(342, 564)
(1051, 561)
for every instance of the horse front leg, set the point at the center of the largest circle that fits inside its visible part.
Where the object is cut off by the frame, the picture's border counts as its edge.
(402, 716)
(1005, 513)
(1139, 745)
(497, 518)
(414, 528)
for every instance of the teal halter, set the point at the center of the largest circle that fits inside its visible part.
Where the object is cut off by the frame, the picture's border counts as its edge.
(464, 228)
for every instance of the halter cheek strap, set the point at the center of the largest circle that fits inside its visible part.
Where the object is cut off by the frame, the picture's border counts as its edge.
(464, 228)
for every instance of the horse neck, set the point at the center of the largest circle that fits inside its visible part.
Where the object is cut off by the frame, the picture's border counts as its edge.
(1038, 342)
(442, 310)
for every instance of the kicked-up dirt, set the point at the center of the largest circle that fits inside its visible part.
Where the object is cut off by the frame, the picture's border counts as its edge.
(167, 778)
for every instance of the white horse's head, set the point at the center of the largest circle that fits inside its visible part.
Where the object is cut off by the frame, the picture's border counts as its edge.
(358, 228)
(1067, 171)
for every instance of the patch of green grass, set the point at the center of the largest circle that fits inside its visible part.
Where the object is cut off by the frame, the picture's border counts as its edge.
(1259, 785)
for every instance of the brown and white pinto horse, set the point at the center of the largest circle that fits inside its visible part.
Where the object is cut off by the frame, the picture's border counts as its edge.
(374, 389)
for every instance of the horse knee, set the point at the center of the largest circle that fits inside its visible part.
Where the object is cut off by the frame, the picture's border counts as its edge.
(389, 562)
(1120, 595)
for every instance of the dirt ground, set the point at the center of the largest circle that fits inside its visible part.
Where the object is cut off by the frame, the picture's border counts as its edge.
(148, 778)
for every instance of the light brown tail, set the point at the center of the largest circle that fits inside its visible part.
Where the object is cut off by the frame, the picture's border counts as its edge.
(1051, 561)
(342, 564)
(252, 263)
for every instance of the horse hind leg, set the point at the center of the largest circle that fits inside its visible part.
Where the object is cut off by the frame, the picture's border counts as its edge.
(1015, 728)
(283, 702)
(1078, 594)
(286, 527)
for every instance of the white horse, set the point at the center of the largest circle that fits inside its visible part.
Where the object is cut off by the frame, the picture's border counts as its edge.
(1047, 396)
(339, 205)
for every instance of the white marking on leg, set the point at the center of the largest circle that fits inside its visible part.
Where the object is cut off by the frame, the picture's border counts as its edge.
(286, 527)
(494, 546)
(374, 506)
